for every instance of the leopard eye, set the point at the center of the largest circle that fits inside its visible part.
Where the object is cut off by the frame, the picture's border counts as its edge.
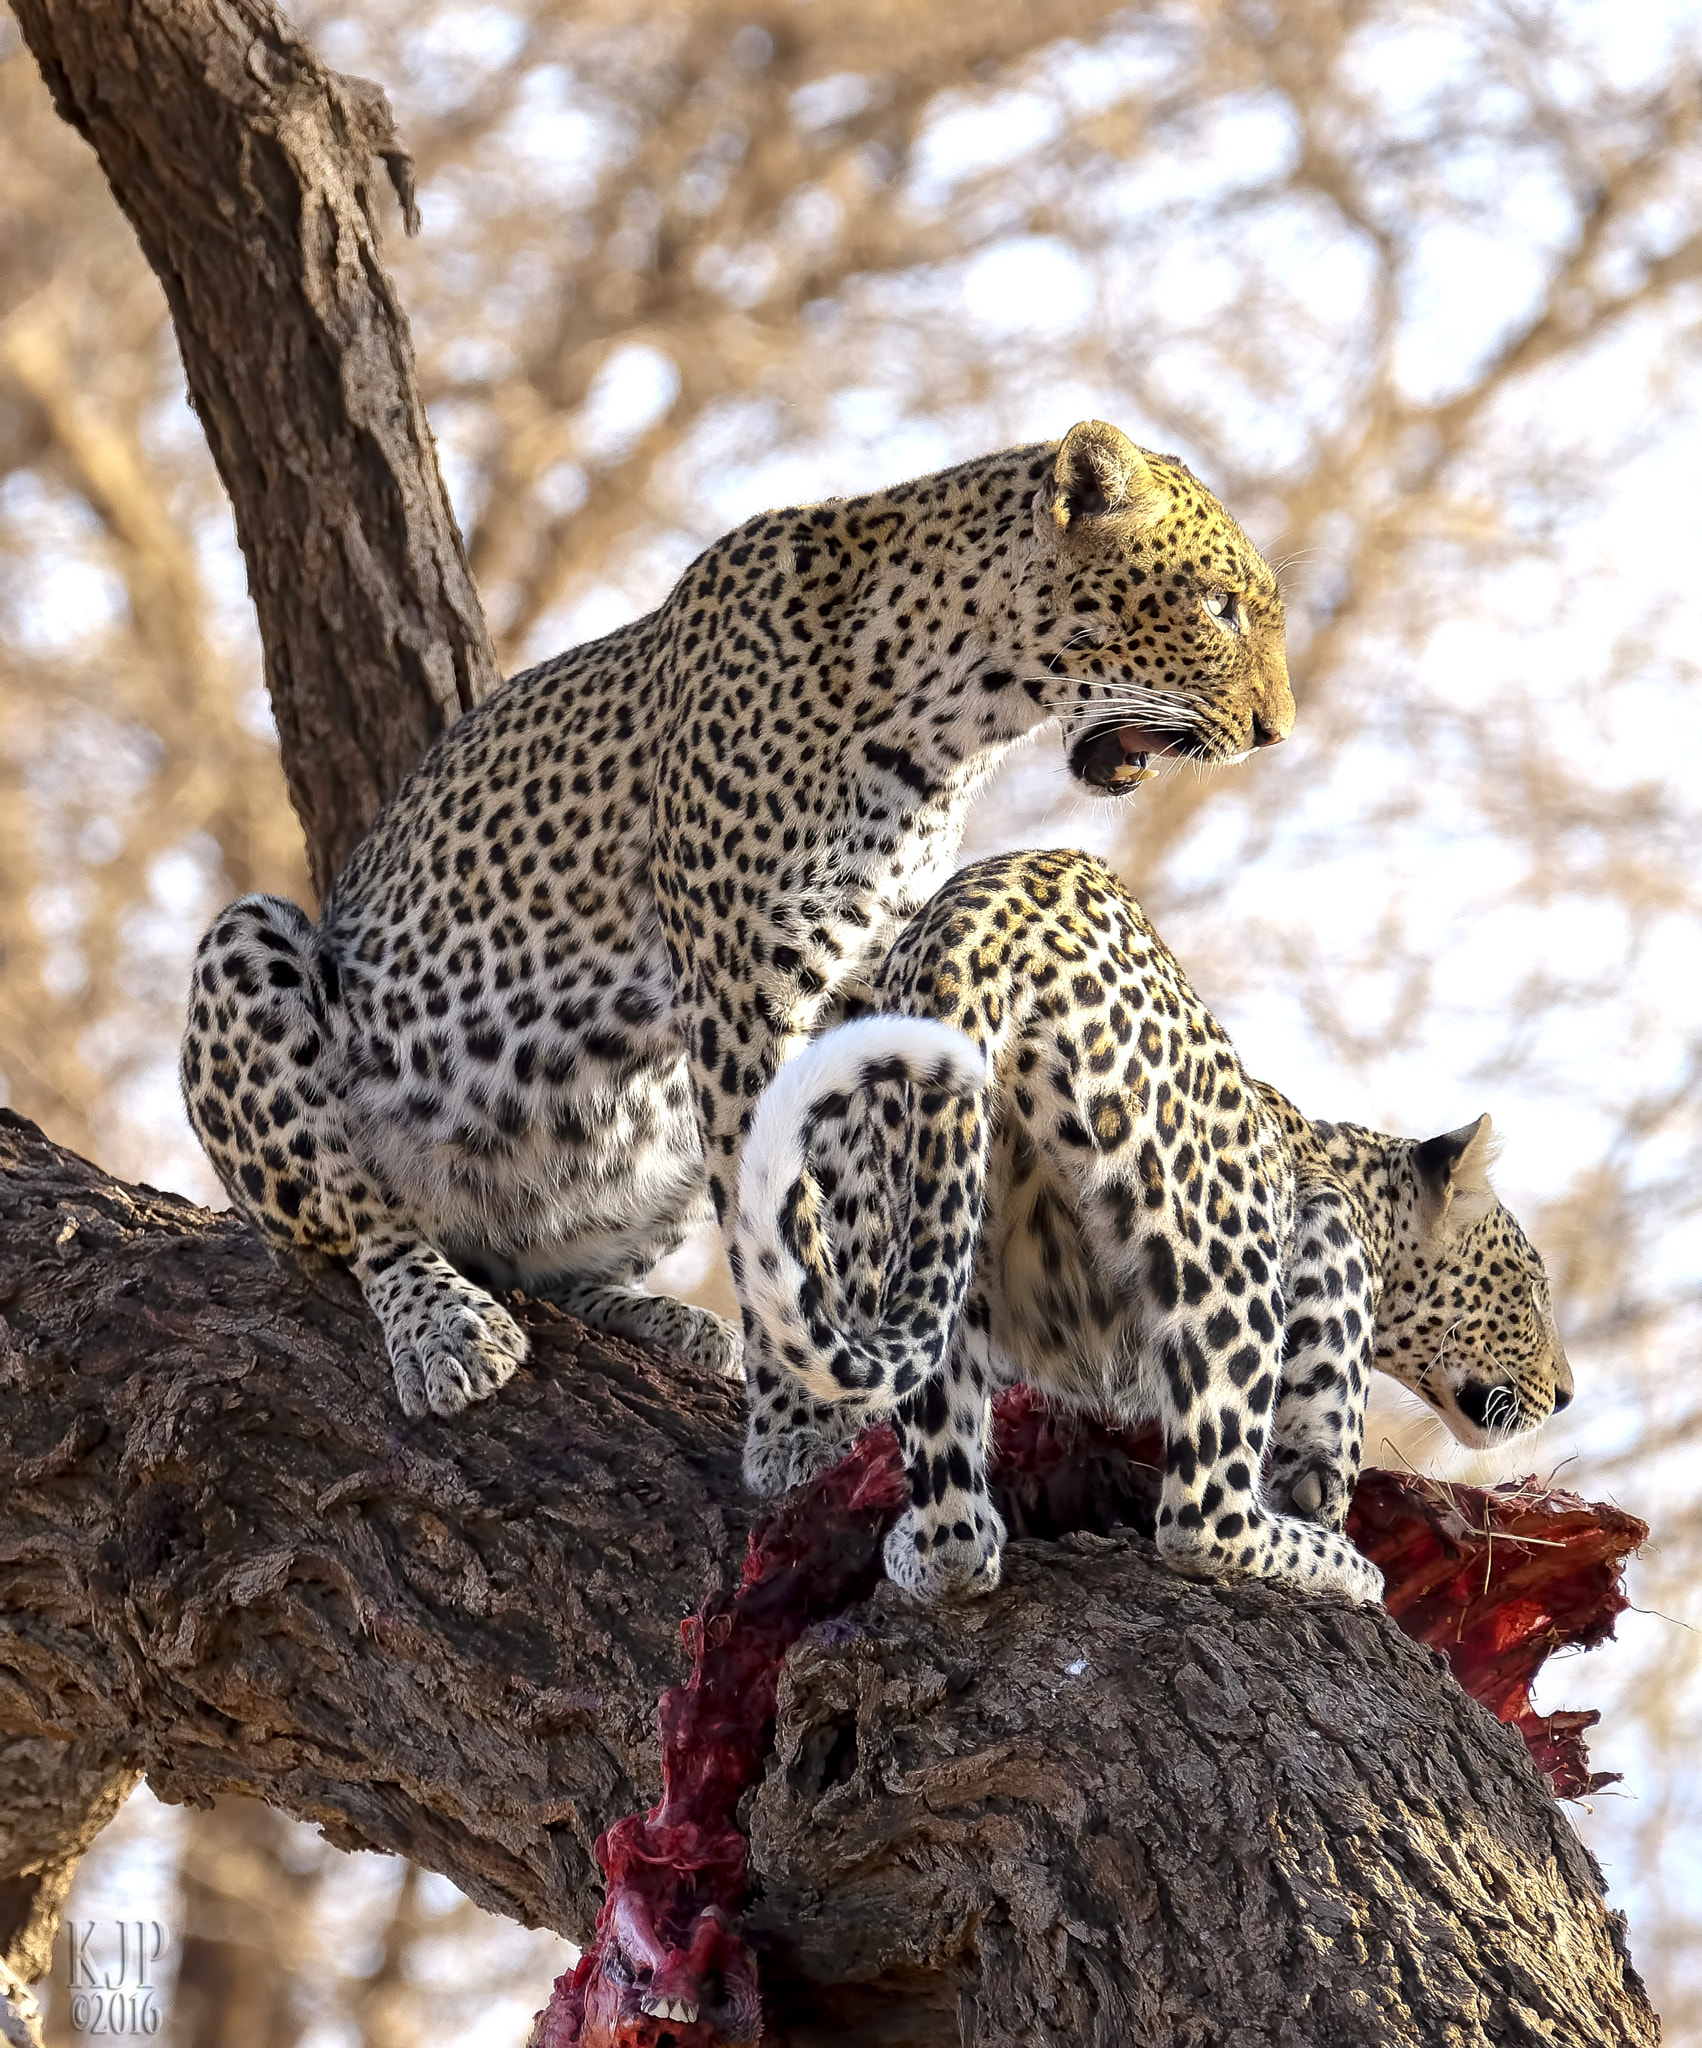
(1225, 607)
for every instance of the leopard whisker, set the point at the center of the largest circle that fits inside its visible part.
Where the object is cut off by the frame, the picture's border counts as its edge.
(1173, 714)
(1126, 693)
(1288, 561)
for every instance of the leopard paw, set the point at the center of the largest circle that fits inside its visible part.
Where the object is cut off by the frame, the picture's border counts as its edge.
(450, 1343)
(658, 1321)
(1285, 1550)
(1319, 1561)
(789, 1457)
(956, 1560)
(1314, 1489)
(712, 1342)
(1345, 1572)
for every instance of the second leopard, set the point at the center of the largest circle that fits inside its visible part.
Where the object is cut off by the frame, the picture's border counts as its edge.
(1044, 1162)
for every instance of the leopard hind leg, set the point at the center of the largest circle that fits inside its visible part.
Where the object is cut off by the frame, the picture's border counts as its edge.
(790, 1435)
(264, 1083)
(602, 1283)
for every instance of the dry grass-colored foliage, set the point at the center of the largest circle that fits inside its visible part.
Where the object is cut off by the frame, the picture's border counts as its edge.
(1416, 287)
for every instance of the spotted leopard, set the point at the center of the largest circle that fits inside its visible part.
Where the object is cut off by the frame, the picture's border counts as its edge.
(522, 1043)
(1041, 1161)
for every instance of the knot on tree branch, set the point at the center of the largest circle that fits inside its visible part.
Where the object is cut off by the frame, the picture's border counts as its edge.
(305, 100)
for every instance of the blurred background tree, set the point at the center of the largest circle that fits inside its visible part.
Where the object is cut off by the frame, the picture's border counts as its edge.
(1415, 287)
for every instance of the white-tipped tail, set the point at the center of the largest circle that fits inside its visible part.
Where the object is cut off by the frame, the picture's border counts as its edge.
(842, 1062)
(849, 1057)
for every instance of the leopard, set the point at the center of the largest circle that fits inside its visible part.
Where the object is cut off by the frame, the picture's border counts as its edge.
(1038, 1159)
(520, 1046)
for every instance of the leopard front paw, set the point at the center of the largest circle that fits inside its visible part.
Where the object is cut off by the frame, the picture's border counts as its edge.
(955, 1560)
(1280, 1548)
(1342, 1570)
(450, 1346)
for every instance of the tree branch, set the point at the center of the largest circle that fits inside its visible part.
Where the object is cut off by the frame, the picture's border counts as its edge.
(1113, 1806)
(55, 1797)
(227, 1561)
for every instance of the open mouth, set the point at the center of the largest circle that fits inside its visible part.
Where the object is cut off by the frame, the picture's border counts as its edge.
(1119, 757)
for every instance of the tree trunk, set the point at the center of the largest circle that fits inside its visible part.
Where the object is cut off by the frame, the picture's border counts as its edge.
(1113, 1807)
(243, 1931)
(1104, 1806)
(246, 169)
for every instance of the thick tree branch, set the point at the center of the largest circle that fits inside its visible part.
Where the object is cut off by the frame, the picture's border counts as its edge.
(245, 168)
(1110, 1806)
(227, 1561)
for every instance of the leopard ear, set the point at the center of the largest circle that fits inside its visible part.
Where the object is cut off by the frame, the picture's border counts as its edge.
(1452, 1172)
(1099, 473)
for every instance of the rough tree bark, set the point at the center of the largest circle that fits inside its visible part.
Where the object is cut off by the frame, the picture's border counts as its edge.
(1105, 1806)
(1114, 1807)
(246, 167)
(226, 1559)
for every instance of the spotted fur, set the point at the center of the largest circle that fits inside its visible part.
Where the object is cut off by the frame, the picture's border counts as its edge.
(1041, 1161)
(522, 1045)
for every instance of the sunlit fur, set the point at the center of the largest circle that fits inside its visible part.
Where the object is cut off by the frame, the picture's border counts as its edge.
(522, 1044)
(1120, 1216)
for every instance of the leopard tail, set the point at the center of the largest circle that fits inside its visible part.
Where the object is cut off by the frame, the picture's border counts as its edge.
(835, 1113)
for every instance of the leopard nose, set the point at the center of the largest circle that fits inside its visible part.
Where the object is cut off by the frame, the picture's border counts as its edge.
(1264, 736)
(1562, 1398)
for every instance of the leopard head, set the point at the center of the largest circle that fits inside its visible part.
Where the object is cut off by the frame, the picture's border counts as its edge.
(1465, 1319)
(1157, 623)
